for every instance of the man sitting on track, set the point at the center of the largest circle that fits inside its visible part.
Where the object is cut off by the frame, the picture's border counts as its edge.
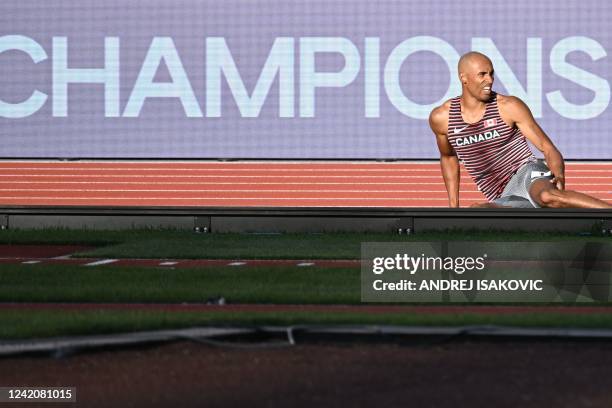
(487, 132)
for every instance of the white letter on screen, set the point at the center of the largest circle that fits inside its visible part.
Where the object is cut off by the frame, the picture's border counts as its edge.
(533, 95)
(37, 99)
(109, 76)
(394, 65)
(595, 83)
(371, 68)
(310, 79)
(280, 61)
(162, 49)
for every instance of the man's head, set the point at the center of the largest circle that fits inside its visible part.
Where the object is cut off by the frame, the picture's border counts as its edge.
(476, 75)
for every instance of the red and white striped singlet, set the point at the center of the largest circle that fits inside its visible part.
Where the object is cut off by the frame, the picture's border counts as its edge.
(490, 150)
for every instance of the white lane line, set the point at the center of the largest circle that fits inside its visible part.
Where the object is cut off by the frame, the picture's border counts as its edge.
(225, 198)
(167, 263)
(258, 161)
(407, 178)
(221, 183)
(30, 262)
(236, 263)
(236, 169)
(249, 183)
(101, 262)
(195, 191)
(467, 202)
(192, 176)
(229, 168)
(305, 264)
(251, 191)
(67, 256)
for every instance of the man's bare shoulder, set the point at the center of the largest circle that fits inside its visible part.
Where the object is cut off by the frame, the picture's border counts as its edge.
(512, 106)
(441, 112)
(438, 118)
(510, 102)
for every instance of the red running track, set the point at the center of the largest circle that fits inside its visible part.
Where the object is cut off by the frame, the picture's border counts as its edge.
(252, 184)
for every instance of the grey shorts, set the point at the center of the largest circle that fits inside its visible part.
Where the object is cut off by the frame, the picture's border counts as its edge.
(516, 192)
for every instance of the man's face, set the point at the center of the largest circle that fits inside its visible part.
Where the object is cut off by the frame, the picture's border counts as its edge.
(477, 78)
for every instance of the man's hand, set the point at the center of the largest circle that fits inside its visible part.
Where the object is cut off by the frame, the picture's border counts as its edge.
(559, 181)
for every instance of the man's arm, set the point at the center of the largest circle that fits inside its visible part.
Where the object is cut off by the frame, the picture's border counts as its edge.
(515, 111)
(438, 121)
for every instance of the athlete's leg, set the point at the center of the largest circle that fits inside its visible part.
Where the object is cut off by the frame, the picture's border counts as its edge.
(546, 194)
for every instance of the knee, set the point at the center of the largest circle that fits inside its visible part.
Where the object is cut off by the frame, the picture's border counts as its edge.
(551, 198)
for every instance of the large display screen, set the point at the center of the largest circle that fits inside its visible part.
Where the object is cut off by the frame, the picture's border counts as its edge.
(279, 79)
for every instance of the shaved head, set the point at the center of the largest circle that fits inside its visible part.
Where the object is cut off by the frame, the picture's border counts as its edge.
(467, 59)
(476, 75)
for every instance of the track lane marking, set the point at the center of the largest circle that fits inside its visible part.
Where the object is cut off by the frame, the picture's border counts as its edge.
(101, 262)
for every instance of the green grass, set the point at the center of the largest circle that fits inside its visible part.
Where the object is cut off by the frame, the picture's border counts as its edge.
(73, 283)
(19, 324)
(186, 244)
(256, 285)
(54, 236)
(279, 285)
